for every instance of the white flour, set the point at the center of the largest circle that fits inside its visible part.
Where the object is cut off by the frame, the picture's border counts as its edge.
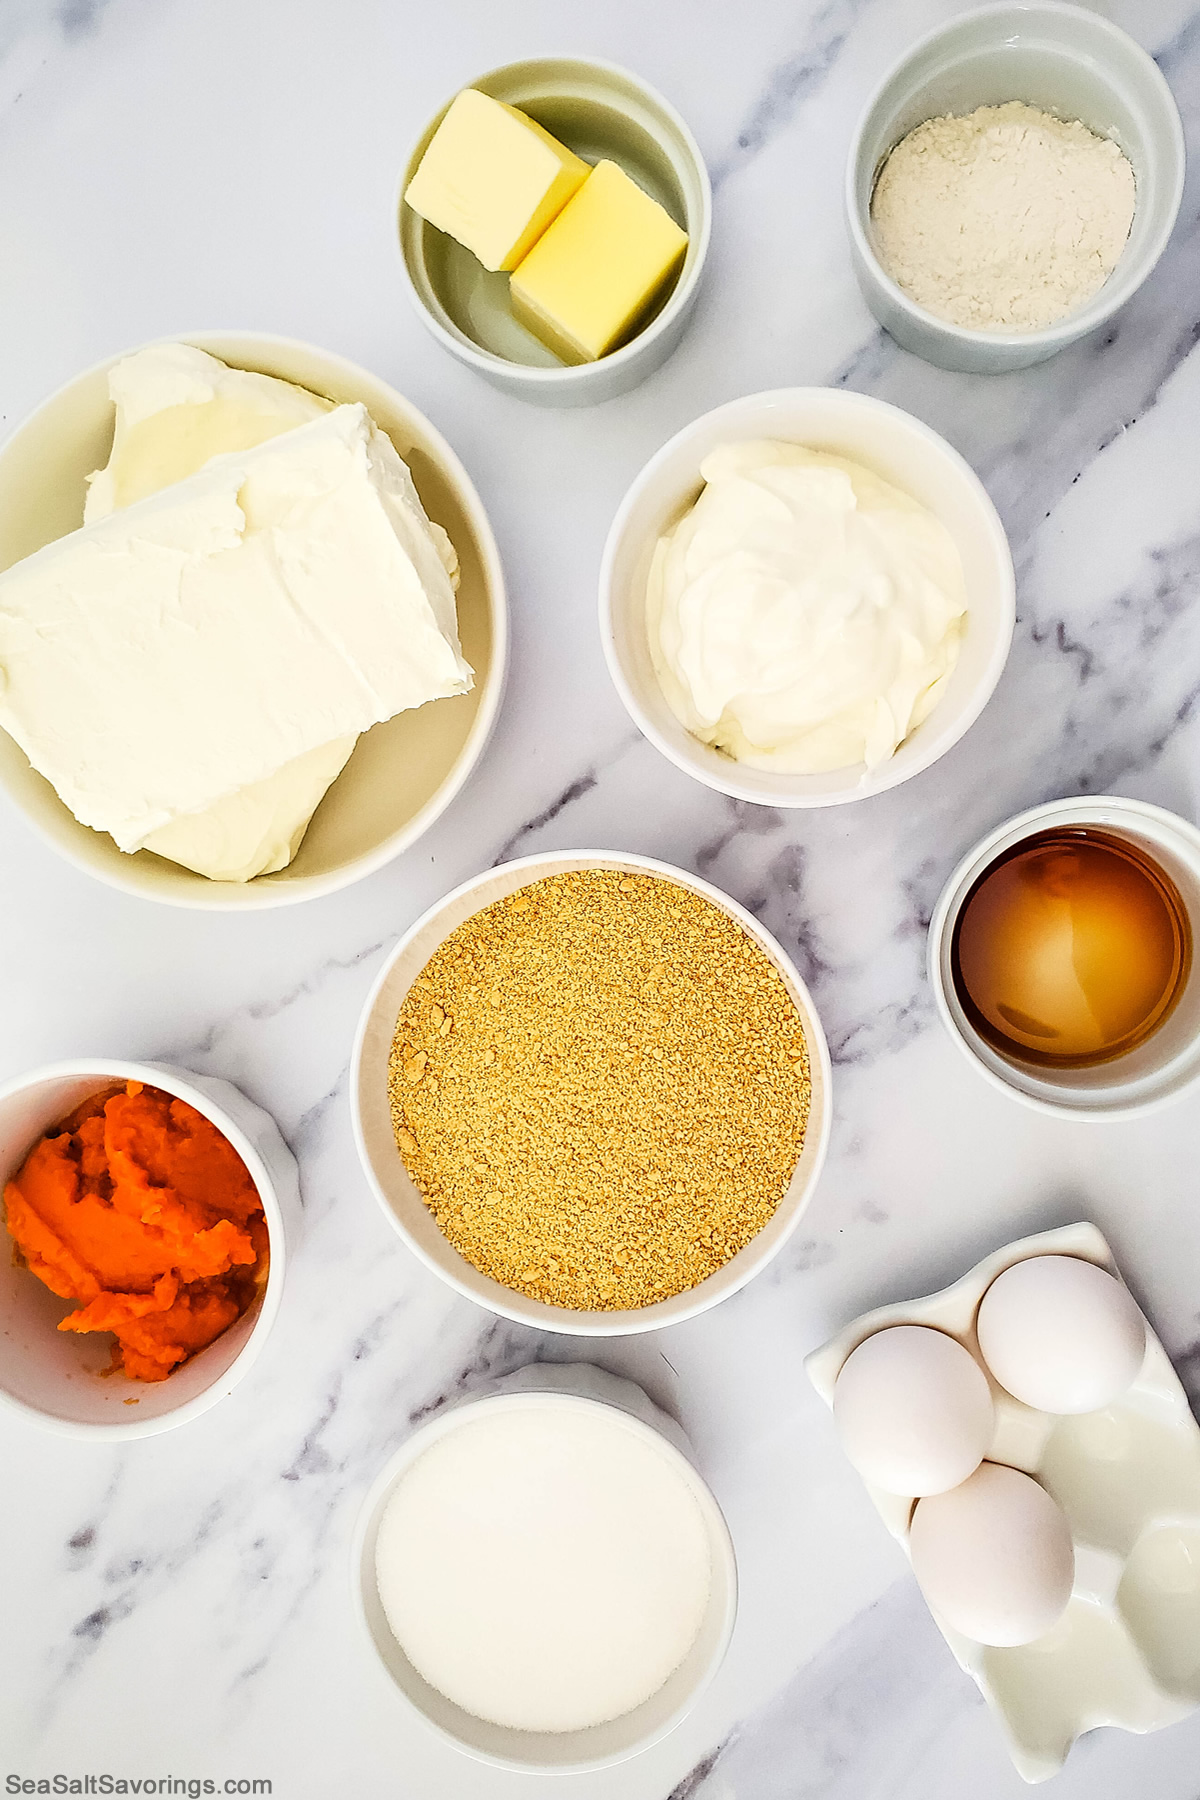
(1005, 220)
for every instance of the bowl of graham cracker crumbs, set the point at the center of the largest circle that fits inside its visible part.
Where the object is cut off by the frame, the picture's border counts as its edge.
(591, 1092)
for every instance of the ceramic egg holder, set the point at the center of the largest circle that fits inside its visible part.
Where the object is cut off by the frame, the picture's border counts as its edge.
(1127, 1650)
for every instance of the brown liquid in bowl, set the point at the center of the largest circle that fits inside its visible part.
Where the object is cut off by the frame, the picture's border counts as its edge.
(1071, 949)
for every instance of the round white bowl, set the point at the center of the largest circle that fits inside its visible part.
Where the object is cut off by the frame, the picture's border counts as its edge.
(561, 1387)
(1147, 1077)
(402, 774)
(1066, 60)
(57, 1377)
(598, 110)
(906, 453)
(398, 1195)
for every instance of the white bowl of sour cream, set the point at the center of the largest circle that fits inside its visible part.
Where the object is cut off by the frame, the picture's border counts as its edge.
(819, 615)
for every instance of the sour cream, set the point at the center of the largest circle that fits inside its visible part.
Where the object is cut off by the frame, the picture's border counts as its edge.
(804, 615)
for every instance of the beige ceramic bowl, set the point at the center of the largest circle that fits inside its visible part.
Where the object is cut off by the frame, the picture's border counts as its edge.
(401, 1201)
(403, 773)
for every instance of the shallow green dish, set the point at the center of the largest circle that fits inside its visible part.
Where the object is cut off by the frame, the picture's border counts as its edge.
(597, 110)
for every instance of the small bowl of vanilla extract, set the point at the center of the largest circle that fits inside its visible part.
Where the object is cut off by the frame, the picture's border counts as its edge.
(1062, 954)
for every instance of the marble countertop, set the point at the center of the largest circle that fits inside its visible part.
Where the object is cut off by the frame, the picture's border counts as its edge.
(180, 1607)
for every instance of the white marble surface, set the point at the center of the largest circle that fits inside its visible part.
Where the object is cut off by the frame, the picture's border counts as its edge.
(181, 1606)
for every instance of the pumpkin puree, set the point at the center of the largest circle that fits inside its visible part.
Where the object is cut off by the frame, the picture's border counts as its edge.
(140, 1209)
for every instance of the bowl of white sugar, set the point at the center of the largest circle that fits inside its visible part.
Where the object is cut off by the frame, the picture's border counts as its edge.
(545, 1577)
(1013, 182)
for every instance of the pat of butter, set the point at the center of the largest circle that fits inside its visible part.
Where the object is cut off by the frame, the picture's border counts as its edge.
(493, 179)
(597, 270)
(183, 649)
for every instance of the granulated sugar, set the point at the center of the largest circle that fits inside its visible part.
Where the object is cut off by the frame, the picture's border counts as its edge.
(544, 1567)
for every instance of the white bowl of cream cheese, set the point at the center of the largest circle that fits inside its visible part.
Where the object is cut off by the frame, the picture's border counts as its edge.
(400, 774)
(803, 630)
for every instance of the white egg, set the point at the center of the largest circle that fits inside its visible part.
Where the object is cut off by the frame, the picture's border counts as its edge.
(994, 1557)
(913, 1410)
(1061, 1334)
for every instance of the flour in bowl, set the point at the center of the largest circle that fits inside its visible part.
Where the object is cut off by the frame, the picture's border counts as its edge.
(1005, 220)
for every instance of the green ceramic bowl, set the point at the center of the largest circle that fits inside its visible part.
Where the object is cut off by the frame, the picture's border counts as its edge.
(598, 111)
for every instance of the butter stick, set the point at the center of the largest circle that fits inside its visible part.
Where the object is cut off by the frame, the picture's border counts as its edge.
(596, 271)
(493, 179)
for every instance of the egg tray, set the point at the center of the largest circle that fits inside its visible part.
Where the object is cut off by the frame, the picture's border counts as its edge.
(1127, 1650)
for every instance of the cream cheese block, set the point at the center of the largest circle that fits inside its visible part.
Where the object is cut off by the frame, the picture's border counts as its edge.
(176, 408)
(176, 653)
(258, 830)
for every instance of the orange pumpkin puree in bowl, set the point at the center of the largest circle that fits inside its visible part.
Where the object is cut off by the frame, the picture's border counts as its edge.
(139, 1208)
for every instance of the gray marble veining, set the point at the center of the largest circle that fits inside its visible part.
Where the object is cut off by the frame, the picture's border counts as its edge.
(181, 1605)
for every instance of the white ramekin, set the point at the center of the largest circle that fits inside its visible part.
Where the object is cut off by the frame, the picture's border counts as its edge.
(1066, 60)
(598, 110)
(402, 1203)
(905, 452)
(55, 1377)
(561, 1388)
(402, 774)
(1157, 1071)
